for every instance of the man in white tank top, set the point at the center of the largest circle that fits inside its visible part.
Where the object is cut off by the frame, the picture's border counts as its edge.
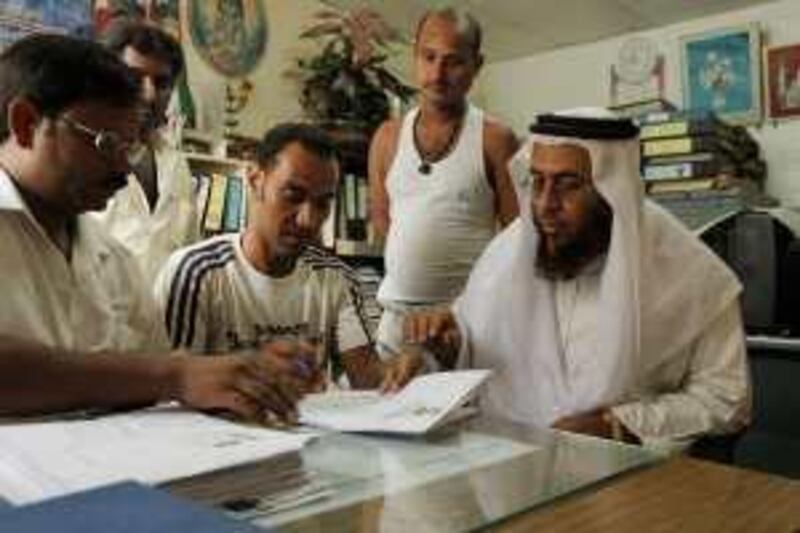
(438, 178)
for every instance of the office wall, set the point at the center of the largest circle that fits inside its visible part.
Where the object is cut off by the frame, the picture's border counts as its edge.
(579, 75)
(274, 98)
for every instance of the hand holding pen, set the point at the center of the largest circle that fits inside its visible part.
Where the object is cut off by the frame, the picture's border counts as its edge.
(301, 359)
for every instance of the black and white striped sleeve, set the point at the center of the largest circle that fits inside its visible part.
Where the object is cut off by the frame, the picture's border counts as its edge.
(180, 287)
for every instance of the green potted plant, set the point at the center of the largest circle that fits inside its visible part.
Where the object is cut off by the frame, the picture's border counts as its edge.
(346, 84)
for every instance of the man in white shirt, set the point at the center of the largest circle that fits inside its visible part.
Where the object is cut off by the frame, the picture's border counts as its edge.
(439, 184)
(598, 310)
(272, 281)
(155, 213)
(77, 329)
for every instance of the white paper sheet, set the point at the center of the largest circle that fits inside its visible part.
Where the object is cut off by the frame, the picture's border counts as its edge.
(47, 459)
(425, 403)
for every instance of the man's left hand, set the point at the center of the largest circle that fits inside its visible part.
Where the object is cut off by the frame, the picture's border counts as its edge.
(591, 423)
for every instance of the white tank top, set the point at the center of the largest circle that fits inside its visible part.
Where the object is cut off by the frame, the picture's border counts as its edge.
(441, 221)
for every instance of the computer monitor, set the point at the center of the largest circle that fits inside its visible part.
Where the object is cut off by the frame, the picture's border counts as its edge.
(755, 245)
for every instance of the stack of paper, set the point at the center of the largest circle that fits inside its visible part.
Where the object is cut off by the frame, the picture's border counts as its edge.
(426, 403)
(46, 459)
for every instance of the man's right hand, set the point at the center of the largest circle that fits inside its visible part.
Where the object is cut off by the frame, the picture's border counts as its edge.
(437, 330)
(254, 387)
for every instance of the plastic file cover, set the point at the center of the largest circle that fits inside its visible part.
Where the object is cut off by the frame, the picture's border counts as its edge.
(122, 508)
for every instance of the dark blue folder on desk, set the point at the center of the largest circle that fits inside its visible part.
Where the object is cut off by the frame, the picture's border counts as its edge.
(122, 508)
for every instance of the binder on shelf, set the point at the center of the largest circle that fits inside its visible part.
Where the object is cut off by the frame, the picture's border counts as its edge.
(674, 115)
(355, 222)
(681, 145)
(678, 171)
(683, 128)
(351, 196)
(216, 204)
(201, 198)
(244, 211)
(363, 199)
(233, 204)
(697, 157)
(682, 185)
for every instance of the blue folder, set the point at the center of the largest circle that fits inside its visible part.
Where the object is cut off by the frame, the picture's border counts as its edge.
(121, 508)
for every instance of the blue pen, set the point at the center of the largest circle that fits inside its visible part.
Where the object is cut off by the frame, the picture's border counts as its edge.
(303, 366)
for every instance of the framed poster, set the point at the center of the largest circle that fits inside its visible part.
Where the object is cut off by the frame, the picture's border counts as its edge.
(19, 18)
(721, 72)
(783, 81)
(231, 35)
(163, 13)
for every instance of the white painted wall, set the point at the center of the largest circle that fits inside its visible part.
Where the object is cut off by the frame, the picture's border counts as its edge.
(515, 91)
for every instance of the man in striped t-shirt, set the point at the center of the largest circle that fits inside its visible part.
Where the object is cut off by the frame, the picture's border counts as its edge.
(271, 282)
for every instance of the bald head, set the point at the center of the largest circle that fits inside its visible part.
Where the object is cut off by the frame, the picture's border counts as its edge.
(466, 25)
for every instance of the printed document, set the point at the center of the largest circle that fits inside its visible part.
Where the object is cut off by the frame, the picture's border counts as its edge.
(40, 460)
(426, 403)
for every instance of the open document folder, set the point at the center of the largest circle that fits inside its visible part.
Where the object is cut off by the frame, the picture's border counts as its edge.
(40, 460)
(426, 403)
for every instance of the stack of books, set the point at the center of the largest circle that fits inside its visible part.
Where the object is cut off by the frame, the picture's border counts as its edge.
(699, 167)
(690, 151)
(221, 202)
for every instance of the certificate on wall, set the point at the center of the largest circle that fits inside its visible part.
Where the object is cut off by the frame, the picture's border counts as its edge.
(637, 74)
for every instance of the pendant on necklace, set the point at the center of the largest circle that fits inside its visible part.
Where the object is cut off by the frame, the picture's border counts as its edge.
(425, 168)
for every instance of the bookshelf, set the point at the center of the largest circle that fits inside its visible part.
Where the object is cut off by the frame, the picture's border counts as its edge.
(351, 234)
(349, 229)
(220, 192)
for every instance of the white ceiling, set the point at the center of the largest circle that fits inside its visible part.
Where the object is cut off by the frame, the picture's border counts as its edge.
(516, 28)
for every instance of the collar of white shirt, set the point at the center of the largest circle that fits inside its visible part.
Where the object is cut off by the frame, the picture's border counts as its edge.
(10, 198)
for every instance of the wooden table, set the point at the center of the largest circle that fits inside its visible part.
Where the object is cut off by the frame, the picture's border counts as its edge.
(681, 494)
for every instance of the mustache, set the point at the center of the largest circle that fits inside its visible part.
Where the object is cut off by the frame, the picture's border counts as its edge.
(436, 85)
(305, 238)
(152, 119)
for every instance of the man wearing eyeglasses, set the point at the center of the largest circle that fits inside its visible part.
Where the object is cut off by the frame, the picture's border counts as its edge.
(600, 312)
(78, 328)
(155, 213)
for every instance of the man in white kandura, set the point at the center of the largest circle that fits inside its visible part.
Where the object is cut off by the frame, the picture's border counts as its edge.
(599, 312)
(155, 213)
(78, 329)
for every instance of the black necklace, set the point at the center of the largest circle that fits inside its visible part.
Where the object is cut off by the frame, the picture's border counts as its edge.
(427, 160)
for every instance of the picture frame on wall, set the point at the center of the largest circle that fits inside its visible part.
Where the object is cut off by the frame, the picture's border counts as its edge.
(783, 81)
(721, 72)
(163, 13)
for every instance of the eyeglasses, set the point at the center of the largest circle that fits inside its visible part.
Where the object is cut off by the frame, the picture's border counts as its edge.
(108, 143)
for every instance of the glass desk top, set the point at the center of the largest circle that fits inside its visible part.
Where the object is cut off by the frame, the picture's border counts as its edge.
(475, 474)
